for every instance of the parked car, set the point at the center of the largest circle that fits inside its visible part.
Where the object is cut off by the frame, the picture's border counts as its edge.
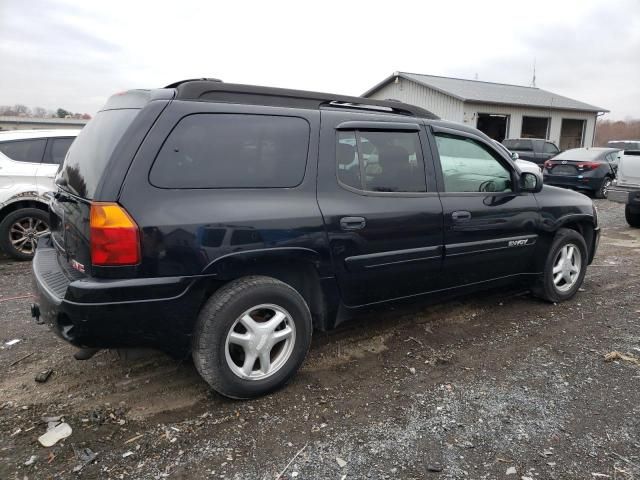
(626, 187)
(232, 220)
(536, 150)
(590, 170)
(523, 165)
(29, 160)
(631, 145)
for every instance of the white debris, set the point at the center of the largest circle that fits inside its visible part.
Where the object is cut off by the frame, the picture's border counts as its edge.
(127, 454)
(412, 370)
(31, 460)
(57, 433)
(341, 463)
(12, 342)
(511, 471)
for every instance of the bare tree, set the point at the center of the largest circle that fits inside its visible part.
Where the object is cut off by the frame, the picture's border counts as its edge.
(621, 130)
(39, 112)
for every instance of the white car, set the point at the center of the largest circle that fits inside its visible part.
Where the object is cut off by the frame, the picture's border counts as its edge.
(29, 160)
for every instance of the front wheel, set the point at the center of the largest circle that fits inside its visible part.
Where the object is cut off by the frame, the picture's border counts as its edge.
(633, 219)
(251, 337)
(603, 191)
(565, 267)
(20, 231)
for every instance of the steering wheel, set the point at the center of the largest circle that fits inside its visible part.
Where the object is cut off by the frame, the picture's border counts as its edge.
(487, 186)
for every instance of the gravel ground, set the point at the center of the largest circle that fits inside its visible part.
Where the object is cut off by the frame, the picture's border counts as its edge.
(498, 385)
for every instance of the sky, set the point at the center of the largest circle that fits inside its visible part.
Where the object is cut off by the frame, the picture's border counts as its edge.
(74, 54)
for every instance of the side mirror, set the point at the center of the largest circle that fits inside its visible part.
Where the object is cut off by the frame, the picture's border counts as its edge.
(530, 182)
(515, 156)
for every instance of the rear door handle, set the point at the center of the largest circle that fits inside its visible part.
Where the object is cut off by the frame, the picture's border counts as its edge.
(352, 223)
(461, 216)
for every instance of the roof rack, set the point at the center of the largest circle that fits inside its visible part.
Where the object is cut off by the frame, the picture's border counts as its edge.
(215, 90)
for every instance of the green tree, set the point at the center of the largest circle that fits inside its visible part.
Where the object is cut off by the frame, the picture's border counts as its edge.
(62, 113)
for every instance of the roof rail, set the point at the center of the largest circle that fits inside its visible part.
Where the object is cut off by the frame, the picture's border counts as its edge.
(217, 91)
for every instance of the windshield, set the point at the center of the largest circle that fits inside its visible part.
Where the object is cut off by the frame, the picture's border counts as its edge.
(580, 154)
(624, 145)
(519, 144)
(89, 154)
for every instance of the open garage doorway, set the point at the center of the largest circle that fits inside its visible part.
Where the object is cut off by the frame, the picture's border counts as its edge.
(493, 125)
(571, 133)
(535, 127)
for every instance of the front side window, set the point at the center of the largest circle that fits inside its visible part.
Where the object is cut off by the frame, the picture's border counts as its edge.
(233, 151)
(58, 148)
(468, 166)
(550, 148)
(24, 150)
(380, 161)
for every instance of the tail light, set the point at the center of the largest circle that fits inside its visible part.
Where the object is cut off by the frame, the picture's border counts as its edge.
(548, 164)
(589, 165)
(115, 239)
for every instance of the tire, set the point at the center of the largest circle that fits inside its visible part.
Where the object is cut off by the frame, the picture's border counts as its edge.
(545, 286)
(223, 364)
(633, 219)
(25, 222)
(604, 188)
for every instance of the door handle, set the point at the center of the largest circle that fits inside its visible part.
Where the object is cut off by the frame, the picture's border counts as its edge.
(461, 216)
(352, 223)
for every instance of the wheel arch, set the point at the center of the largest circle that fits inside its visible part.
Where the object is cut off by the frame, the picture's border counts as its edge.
(12, 206)
(297, 267)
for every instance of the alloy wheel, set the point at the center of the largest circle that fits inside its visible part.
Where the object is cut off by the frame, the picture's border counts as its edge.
(25, 232)
(566, 267)
(260, 342)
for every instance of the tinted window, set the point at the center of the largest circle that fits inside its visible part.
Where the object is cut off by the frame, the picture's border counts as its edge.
(521, 145)
(624, 145)
(58, 148)
(469, 166)
(381, 161)
(24, 150)
(233, 151)
(90, 152)
(550, 148)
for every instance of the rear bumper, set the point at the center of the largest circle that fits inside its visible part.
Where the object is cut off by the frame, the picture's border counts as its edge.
(88, 312)
(574, 182)
(627, 196)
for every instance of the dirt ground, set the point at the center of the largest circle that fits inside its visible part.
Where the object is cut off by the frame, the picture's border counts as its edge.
(498, 385)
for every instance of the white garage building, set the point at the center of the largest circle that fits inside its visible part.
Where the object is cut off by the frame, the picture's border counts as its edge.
(499, 110)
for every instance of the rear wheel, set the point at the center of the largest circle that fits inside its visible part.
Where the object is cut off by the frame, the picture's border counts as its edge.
(603, 191)
(633, 219)
(20, 231)
(251, 337)
(565, 267)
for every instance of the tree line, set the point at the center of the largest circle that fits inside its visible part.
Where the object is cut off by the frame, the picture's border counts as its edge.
(20, 110)
(616, 130)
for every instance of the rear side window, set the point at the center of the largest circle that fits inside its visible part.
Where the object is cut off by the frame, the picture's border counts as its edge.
(233, 151)
(90, 152)
(379, 161)
(521, 145)
(550, 148)
(57, 150)
(24, 150)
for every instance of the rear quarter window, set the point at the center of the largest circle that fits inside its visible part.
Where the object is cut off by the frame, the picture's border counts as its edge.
(30, 151)
(521, 145)
(233, 151)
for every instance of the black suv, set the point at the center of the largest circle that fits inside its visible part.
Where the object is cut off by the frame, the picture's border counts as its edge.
(232, 220)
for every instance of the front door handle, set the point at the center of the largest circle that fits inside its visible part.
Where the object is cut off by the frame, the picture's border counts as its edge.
(352, 223)
(461, 216)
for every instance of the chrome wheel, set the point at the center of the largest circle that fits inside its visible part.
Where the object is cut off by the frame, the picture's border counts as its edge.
(24, 234)
(260, 342)
(605, 187)
(566, 267)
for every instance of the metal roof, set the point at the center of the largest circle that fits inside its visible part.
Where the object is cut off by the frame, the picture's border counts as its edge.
(488, 92)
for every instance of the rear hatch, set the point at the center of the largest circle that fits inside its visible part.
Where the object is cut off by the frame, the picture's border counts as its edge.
(79, 181)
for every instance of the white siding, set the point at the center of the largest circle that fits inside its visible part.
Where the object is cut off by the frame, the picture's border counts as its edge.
(445, 106)
(471, 111)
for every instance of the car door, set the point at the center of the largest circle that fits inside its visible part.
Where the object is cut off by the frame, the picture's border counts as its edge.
(382, 214)
(18, 172)
(490, 228)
